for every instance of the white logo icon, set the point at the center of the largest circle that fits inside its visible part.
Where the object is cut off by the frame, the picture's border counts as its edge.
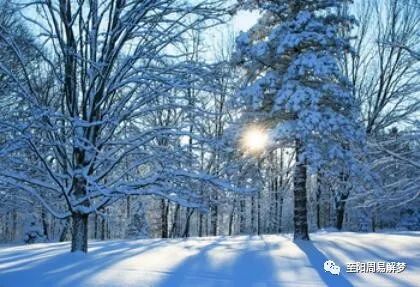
(331, 267)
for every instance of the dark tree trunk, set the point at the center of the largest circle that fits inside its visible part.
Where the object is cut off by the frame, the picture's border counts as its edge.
(231, 218)
(186, 232)
(174, 228)
(373, 223)
(164, 218)
(14, 224)
(340, 199)
(79, 241)
(259, 229)
(340, 217)
(103, 234)
(242, 221)
(318, 214)
(276, 218)
(253, 215)
(128, 207)
(108, 230)
(278, 186)
(200, 225)
(318, 202)
(63, 234)
(95, 234)
(300, 197)
(340, 208)
(214, 216)
(6, 227)
(45, 225)
(280, 215)
(79, 220)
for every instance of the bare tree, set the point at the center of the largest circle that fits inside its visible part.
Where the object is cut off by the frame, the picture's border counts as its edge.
(385, 75)
(110, 61)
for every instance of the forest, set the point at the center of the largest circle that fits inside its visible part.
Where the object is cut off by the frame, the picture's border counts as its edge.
(124, 119)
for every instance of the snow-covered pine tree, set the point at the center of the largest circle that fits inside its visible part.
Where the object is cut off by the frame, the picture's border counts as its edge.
(294, 85)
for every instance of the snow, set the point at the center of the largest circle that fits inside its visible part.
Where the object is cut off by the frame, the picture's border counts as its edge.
(294, 80)
(269, 260)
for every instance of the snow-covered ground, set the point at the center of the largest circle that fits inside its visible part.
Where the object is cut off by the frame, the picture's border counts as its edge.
(270, 260)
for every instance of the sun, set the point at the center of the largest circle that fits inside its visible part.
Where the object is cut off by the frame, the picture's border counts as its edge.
(254, 139)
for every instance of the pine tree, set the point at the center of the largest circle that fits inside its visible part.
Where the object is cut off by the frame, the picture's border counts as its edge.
(295, 86)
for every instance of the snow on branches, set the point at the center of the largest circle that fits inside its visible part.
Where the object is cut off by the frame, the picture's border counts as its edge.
(81, 138)
(292, 59)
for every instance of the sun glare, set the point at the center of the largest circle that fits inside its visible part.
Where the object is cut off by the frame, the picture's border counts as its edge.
(254, 139)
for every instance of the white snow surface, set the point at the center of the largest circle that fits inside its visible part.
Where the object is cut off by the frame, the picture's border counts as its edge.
(269, 260)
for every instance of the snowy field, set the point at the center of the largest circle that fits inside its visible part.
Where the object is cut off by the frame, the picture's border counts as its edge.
(270, 260)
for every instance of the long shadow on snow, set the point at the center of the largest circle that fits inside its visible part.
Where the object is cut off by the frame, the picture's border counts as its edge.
(317, 259)
(66, 269)
(254, 267)
(28, 254)
(251, 267)
(352, 252)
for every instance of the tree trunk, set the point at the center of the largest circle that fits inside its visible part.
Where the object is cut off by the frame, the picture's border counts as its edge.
(280, 215)
(373, 223)
(200, 225)
(231, 218)
(318, 214)
(95, 234)
(63, 234)
(174, 228)
(8, 235)
(79, 220)
(340, 216)
(108, 229)
(279, 186)
(79, 240)
(214, 216)
(128, 206)
(14, 224)
(259, 229)
(340, 208)
(186, 232)
(164, 218)
(253, 215)
(242, 220)
(276, 216)
(340, 205)
(45, 226)
(103, 222)
(318, 202)
(300, 210)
